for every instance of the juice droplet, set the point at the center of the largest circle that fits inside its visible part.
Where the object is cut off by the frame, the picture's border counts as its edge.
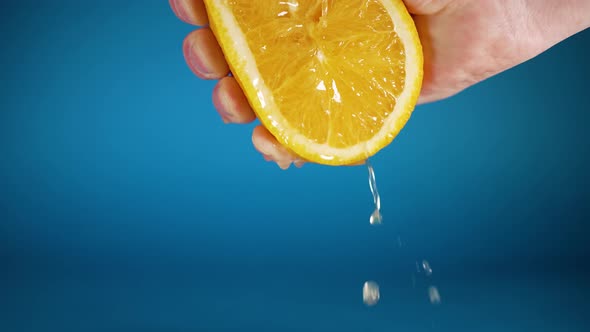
(433, 295)
(371, 293)
(376, 217)
(427, 268)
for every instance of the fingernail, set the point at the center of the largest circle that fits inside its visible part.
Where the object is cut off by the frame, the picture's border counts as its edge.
(219, 103)
(195, 60)
(181, 11)
(225, 116)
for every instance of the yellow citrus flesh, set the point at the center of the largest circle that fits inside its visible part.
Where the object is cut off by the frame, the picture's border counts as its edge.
(334, 81)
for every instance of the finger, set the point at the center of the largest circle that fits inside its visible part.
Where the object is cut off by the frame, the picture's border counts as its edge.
(204, 56)
(190, 11)
(231, 103)
(426, 7)
(272, 150)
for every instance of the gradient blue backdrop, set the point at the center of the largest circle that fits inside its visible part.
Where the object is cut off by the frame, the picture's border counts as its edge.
(126, 204)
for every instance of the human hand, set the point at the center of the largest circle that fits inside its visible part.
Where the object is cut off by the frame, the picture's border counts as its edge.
(464, 42)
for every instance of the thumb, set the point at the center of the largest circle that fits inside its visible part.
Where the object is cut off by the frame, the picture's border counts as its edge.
(426, 7)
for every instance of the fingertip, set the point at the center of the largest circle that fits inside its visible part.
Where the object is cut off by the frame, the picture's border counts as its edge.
(272, 150)
(190, 11)
(204, 56)
(231, 103)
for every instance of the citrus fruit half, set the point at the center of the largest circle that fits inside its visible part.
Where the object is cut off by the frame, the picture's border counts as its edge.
(333, 80)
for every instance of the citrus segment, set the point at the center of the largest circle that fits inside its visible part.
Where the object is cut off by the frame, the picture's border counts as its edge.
(334, 81)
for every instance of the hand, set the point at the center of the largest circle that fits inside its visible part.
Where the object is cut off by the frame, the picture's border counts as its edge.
(464, 42)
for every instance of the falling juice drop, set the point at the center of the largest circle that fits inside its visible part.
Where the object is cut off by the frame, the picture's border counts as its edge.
(434, 295)
(376, 217)
(371, 293)
(426, 267)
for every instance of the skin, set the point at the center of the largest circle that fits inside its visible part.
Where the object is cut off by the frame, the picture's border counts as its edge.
(464, 41)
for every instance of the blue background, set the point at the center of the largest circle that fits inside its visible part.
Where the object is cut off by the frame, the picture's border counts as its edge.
(126, 204)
